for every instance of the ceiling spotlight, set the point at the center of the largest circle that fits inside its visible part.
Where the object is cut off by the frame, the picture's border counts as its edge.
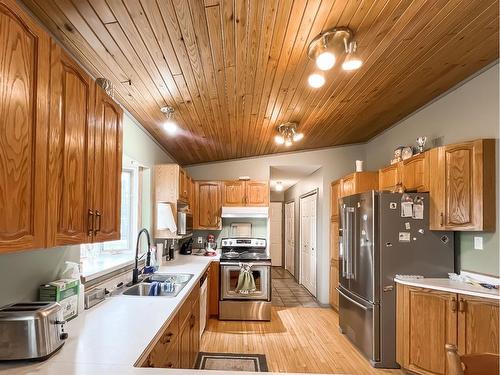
(287, 134)
(316, 80)
(170, 125)
(352, 60)
(279, 139)
(278, 186)
(325, 60)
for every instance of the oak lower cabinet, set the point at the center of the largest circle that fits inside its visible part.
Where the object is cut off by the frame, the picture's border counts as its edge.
(334, 282)
(462, 187)
(178, 344)
(208, 205)
(428, 319)
(358, 182)
(24, 105)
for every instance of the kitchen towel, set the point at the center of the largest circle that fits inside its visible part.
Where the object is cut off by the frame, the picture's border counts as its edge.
(246, 281)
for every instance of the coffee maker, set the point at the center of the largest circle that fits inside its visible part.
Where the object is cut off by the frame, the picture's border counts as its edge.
(187, 247)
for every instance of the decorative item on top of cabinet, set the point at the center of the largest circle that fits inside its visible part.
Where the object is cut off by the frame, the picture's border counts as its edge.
(427, 320)
(71, 211)
(208, 205)
(24, 100)
(334, 200)
(415, 173)
(462, 188)
(390, 177)
(107, 167)
(358, 182)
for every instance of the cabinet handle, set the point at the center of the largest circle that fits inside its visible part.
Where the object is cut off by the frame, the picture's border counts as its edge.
(453, 305)
(170, 365)
(442, 219)
(461, 305)
(98, 222)
(169, 337)
(90, 224)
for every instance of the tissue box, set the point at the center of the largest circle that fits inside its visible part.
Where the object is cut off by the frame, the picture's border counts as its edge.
(65, 292)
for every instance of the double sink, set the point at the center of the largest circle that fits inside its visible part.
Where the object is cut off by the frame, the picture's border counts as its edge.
(179, 281)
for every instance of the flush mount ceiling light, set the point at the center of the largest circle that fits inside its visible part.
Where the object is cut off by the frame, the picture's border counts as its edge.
(326, 48)
(287, 134)
(278, 186)
(170, 125)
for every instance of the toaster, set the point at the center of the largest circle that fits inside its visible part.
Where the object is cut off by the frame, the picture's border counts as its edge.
(31, 331)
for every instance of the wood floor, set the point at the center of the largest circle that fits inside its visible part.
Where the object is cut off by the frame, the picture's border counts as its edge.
(298, 339)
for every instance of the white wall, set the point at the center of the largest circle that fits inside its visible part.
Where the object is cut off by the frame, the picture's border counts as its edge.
(469, 112)
(21, 273)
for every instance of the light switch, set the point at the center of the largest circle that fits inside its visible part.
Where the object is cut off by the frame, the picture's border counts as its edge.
(478, 243)
(200, 240)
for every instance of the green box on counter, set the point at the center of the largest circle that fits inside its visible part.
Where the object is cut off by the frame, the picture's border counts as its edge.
(65, 292)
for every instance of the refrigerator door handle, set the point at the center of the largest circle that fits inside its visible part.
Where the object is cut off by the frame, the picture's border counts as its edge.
(350, 275)
(353, 301)
(343, 249)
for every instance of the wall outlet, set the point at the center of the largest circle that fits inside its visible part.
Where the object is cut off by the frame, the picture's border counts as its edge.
(200, 240)
(478, 243)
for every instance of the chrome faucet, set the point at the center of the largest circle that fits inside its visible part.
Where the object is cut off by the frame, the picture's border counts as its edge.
(135, 271)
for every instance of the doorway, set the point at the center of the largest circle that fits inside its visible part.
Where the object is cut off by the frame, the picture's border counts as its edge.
(308, 234)
(276, 233)
(290, 237)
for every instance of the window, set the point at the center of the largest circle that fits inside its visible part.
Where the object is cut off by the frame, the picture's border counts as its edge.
(100, 258)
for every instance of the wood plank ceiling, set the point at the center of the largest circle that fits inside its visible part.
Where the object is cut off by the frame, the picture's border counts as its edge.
(235, 69)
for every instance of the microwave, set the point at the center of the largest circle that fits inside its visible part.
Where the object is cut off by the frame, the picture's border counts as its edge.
(184, 223)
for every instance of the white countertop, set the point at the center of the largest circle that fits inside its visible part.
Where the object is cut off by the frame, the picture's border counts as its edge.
(447, 285)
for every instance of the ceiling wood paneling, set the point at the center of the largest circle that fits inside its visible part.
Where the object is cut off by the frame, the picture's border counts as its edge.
(235, 69)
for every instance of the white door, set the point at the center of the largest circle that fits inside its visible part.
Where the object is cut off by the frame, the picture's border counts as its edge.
(308, 242)
(275, 236)
(290, 237)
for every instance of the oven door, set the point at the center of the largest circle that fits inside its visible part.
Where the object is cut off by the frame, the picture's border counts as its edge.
(230, 272)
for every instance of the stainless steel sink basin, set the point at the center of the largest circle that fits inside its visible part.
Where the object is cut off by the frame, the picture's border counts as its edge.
(142, 289)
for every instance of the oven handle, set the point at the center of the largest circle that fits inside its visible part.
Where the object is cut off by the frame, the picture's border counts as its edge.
(238, 263)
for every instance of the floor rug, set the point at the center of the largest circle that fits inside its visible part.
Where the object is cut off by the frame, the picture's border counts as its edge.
(231, 362)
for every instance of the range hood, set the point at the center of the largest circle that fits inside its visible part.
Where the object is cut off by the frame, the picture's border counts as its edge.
(245, 212)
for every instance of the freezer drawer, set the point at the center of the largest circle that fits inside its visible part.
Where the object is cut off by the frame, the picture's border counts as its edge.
(359, 321)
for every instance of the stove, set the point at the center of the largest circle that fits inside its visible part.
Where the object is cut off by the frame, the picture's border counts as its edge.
(244, 249)
(250, 254)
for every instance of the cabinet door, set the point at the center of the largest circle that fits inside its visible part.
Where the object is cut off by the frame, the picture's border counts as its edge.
(213, 290)
(70, 152)
(107, 168)
(430, 322)
(257, 193)
(183, 185)
(478, 325)
(334, 200)
(195, 333)
(347, 186)
(334, 240)
(389, 177)
(208, 205)
(415, 173)
(185, 345)
(334, 282)
(463, 190)
(233, 193)
(24, 72)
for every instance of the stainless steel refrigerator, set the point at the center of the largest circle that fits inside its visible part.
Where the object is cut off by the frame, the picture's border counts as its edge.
(381, 236)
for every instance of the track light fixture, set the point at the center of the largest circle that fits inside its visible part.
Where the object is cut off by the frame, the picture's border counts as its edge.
(287, 134)
(170, 125)
(328, 47)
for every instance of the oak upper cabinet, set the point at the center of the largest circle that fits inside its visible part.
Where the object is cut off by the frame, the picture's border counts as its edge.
(415, 173)
(71, 153)
(334, 200)
(389, 177)
(107, 168)
(233, 193)
(426, 322)
(462, 186)
(358, 182)
(24, 94)
(478, 325)
(183, 185)
(257, 193)
(208, 205)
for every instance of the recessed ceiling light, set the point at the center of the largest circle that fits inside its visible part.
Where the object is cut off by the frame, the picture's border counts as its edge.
(278, 186)
(316, 80)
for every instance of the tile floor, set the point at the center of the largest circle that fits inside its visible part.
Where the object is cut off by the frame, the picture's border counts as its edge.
(287, 292)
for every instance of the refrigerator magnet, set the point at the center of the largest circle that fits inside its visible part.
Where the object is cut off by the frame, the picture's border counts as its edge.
(418, 211)
(407, 226)
(393, 205)
(404, 237)
(406, 209)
